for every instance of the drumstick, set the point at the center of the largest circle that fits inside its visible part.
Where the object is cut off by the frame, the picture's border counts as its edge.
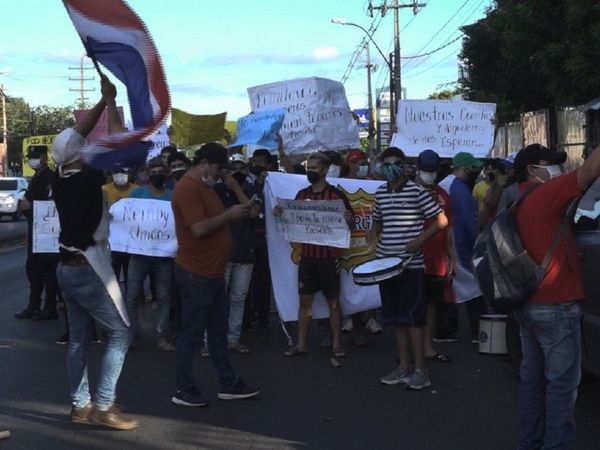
(4, 434)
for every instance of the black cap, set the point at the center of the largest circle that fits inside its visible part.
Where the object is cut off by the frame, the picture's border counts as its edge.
(212, 152)
(429, 161)
(533, 154)
(36, 151)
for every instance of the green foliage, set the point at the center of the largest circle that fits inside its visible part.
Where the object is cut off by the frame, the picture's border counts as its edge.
(532, 54)
(446, 94)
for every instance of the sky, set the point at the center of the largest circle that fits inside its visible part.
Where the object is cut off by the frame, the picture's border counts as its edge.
(212, 51)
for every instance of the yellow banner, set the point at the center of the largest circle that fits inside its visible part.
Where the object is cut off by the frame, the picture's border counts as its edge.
(192, 129)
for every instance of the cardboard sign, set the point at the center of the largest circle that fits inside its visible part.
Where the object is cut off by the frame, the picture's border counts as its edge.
(317, 117)
(446, 126)
(193, 129)
(143, 227)
(46, 227)
(259, 128)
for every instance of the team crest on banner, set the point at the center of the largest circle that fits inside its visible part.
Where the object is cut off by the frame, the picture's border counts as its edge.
(362, 221)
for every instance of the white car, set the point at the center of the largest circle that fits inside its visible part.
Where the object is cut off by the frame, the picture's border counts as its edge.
(12, 191)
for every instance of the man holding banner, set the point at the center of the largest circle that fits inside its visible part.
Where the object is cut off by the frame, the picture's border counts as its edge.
(401, 208)
(318, 269)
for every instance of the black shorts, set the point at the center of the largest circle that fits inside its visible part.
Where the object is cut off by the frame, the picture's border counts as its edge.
(402, 299)
(319, 274)
(434, 289)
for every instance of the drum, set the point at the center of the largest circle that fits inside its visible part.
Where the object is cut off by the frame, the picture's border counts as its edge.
(492, 334)
(377, 270)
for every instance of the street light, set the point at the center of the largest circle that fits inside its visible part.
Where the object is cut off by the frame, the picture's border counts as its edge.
(340, 21)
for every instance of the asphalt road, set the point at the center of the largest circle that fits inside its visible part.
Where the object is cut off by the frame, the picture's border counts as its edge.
(12, 233)
(305, 402)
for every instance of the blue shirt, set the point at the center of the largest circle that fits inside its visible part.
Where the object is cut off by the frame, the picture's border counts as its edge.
(145, 192)
(464, 217)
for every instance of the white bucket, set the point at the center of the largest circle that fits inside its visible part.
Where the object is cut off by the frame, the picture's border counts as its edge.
(492, 334)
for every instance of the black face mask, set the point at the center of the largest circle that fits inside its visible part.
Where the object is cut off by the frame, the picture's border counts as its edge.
(240, 177)
(158, 180)
(177, 174)
(313, 177)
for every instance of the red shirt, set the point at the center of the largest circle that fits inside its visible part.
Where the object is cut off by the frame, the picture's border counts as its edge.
(538, 218)
(435, 249)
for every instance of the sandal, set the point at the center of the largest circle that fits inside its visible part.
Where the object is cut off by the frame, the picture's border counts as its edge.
(338, 352)
(439, 357)
(295, 351)
(239, 348)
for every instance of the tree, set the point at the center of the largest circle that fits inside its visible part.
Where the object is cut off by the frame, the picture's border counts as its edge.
(446, 94)
(533, 54)
(51, 120)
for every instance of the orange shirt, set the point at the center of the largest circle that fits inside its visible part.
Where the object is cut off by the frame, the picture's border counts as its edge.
(206, 256)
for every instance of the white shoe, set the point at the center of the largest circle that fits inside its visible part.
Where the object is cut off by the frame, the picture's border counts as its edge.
(347, 327)
(373, 326)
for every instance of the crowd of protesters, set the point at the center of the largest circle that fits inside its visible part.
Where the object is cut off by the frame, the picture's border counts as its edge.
(219, 283)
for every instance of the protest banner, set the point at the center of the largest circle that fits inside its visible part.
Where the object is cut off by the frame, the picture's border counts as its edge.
(143, 227)
(193, 129)
(319, 222)
(285, 256)
(259, 128)
(446, 126)
(160, 139)
(46, 227)
(317, 117)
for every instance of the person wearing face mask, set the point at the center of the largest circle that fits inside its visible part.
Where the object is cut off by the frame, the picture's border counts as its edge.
(550, 319)
(158, 267)
(335, 164)
(318, 266)
(495, 172)
(399, 213)
(40, 267)
(438, 252)
(205, 245)
(459, 186)
(165, 153)
(178, 164)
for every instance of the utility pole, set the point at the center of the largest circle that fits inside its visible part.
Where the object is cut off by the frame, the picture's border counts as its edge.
(396, 6)
(82, 90)
(4, 148)
(369, 68)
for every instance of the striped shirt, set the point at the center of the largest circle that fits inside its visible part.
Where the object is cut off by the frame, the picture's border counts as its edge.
(403, 214)
(329, 193)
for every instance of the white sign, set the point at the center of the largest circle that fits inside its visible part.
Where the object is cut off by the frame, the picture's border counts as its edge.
(446, 126)
(319, 222)
(284, 256)
(143, 227)
(160, 139)
(318, 116)
(46, 227)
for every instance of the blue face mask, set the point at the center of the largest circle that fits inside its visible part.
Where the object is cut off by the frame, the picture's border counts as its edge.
(393, 172)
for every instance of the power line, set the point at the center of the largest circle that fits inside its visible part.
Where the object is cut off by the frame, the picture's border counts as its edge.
(433, 51)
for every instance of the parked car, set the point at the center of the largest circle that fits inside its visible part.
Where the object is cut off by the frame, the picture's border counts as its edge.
(12, 190)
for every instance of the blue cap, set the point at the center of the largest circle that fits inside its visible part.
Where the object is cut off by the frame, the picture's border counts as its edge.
(429, 161)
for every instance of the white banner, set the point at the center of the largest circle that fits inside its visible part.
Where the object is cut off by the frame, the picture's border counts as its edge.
(284, 257)
(143, 227)
(46, 227)
(446, 126)
(319, 222)
(318, 116)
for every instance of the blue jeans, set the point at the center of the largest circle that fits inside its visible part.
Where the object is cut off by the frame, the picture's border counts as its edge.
(87, 299)
(140, 267)
(237, 280)
(550, 374)
(204, 306)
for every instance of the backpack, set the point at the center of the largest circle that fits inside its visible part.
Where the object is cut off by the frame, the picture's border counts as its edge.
(505, 272)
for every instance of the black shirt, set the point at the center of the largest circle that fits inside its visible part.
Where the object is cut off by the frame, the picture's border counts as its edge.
(40, 188)
(242, 231)
(79, 202)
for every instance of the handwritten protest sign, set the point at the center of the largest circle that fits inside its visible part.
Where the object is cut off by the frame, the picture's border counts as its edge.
(46, 227)
(446, 126)
(193, 129)
(143, 227)
(317, 117)
(319, 222)
(259, 128)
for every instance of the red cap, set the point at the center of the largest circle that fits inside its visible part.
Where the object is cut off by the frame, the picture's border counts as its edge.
(355, 155)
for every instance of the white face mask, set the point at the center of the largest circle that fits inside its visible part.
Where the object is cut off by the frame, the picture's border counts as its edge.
(34, 163)
(120, 179)
(363, 171)
(554, 171)
(333, 171)
(427, 177)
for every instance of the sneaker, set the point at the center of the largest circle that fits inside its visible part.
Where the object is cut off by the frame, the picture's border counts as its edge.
(373, 326)
(238, 391)
(112, 418)
(27, 313)
(63, 339)
(418, 380)
(347, 327)
(442, 338)
(204, 352)
(397, 376)
(81, 415)
(46, 315)
(193, 399)
(165, 345)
